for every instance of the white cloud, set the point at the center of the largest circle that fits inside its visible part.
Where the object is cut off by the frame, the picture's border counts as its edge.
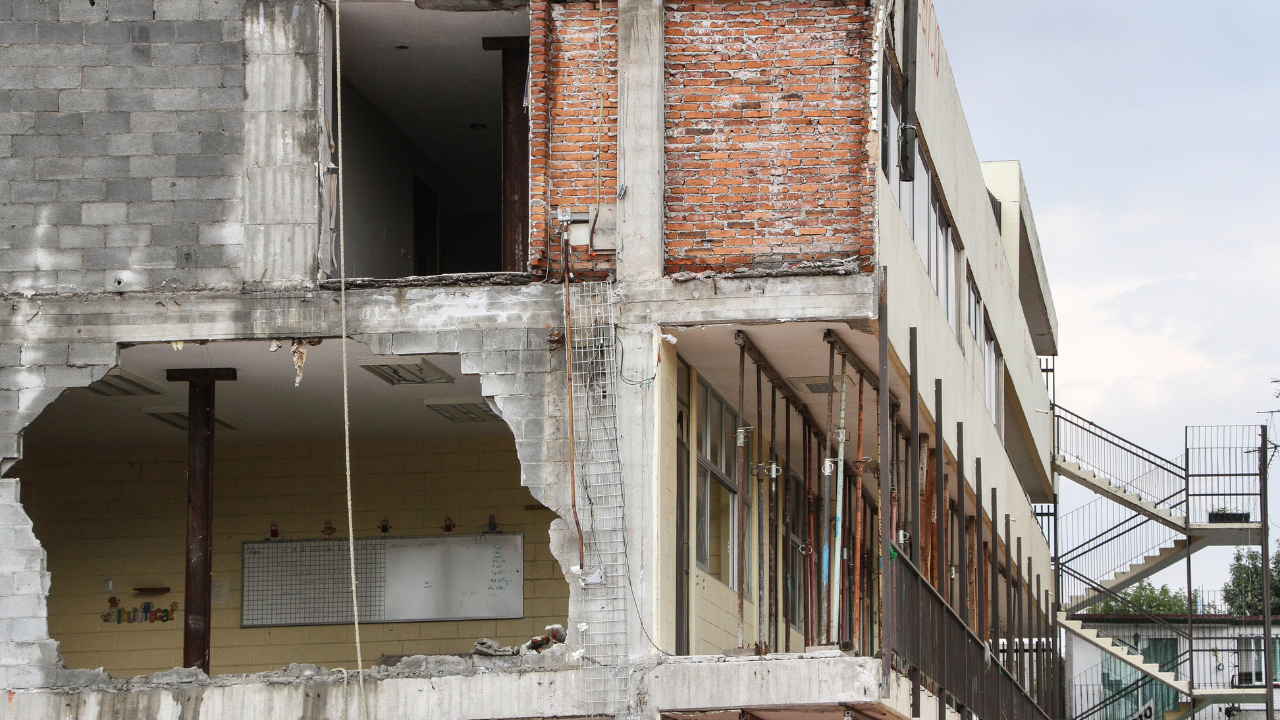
(1149, 133)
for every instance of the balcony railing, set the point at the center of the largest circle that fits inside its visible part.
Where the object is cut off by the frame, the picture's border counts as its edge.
(928, 637)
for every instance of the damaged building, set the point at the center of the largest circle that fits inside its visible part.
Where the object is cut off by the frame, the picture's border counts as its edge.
(696, 329)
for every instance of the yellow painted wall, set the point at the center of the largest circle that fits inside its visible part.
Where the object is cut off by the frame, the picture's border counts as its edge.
(665, 388)
(119, 514)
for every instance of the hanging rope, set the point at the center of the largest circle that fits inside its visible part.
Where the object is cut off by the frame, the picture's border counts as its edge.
(346, 391)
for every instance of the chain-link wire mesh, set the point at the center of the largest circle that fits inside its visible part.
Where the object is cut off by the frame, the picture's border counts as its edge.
(593, 369)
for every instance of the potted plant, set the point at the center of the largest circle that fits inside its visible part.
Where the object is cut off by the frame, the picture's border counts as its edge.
(1227, 515)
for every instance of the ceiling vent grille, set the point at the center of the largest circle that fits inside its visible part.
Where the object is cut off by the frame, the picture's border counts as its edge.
(118, 383)
(464, 412)
(817, 384)
(177, 418)
(396, 370)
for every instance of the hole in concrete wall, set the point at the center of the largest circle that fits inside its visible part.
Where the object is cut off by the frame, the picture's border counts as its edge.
(436, 140)
(105, 485)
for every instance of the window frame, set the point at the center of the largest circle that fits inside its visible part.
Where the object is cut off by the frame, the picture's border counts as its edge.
(719, 466)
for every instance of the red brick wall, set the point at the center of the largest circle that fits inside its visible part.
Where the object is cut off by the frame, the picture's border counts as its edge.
(767, 120)
(565, 117)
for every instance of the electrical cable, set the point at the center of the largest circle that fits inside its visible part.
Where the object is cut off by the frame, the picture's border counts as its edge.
(622, 359)
(346, 391)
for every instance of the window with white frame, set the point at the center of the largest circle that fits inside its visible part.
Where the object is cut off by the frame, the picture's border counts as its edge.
(993, 373)
(921, 202)
(973, 314)
(717, 486)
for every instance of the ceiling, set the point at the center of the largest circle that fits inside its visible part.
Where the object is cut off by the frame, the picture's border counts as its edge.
(262, 401)
(795, 350)
(441, 85)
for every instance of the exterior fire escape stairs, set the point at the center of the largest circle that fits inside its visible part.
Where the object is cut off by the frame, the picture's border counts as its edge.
(1150, 524)
(1196, 536)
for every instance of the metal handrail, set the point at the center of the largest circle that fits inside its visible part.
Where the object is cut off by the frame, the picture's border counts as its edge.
(983, 665)
(1137, 685)
(1111, 594)
(1120, 442)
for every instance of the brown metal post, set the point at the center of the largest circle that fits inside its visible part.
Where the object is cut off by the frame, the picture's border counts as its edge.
(1009, 614)
(980, 584)
(963, 528)
(994, 637)
(888, 603)
(774, 473)
(1268, 642)
(199, 581)
(786, 521)
(1019, 617)
(939, 496)
(913, 454)
(741, 483)
(858, 503)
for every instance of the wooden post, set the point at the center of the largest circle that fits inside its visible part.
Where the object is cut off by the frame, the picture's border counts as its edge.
(515, 151)
(199, 584)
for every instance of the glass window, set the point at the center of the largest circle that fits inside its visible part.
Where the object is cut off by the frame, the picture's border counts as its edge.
(715, 431)
(993, 363)
(717, 521)
(793, 522)
(890, 127)
(974, 314)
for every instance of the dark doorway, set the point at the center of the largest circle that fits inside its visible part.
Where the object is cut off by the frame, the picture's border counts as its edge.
(426, 229)
(435, 135)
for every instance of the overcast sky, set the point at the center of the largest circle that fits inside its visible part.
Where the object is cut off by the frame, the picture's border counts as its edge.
(1148, 137)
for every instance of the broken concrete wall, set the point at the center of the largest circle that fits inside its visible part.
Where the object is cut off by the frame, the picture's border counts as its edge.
(27, 656)
(504, 335)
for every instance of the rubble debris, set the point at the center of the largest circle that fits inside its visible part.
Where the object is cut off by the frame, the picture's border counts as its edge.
(843, 266)
(446, 280)
(299, 353)
(554, 635)
(486, 646)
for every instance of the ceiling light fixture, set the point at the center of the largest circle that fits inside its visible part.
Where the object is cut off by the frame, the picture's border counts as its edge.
(817, 384)
(405, 370)
(176, 417)
(458, 412)
(119, 383)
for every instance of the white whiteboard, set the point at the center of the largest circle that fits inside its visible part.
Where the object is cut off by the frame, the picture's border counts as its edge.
(442, 577)
(448, 578)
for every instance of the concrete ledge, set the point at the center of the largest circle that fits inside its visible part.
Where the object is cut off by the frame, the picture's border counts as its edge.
(458, 688)
(708, 683)
(763, 300)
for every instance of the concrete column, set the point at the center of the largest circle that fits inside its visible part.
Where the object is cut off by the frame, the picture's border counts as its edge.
(638, 449)
(641, 157)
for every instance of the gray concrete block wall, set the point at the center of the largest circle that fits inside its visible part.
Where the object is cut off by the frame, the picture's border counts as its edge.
(28, 658)
(121, 145)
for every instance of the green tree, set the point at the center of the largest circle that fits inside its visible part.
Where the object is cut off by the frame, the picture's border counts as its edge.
(1242, 593)
(1157, 601)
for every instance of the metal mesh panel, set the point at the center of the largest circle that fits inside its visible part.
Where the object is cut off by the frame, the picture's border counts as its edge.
(1223, 473)
(308, 582)
(593, 368)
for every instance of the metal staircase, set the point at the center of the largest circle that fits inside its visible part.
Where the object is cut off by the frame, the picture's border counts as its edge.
(1150, 512)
